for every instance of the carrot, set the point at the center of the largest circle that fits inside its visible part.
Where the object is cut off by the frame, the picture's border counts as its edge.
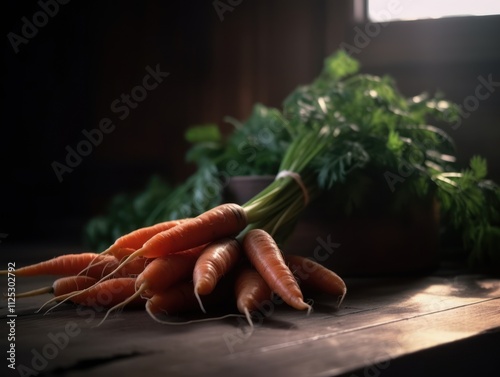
(61, 286)
(221, 221)
(174, 300)
(215, 261)
(316, 276)
(104, 294)
(70, 264)
(250, 290)
(133, 268)
(135, 239)
(130, 242)
(180, 299)
(266, 257)
(157, 273)
(121, 253)
(162, 273)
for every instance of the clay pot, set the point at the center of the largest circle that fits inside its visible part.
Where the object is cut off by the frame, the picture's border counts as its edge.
(366, 244)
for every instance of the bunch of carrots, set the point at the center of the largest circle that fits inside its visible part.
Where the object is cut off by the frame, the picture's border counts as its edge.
(175, 266)
(179, 265)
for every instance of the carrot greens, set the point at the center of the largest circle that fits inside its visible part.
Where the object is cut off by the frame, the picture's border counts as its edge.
(344, 136)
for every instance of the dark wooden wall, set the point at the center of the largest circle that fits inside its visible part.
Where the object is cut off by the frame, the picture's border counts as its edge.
(66, 77)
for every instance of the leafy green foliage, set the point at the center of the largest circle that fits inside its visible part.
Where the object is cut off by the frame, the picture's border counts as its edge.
(257, 146)
(203, 133)
(472, 205)
(338, 66)
(126, 212)
(348, 133)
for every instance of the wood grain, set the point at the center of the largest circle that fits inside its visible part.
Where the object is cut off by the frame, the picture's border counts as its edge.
(385, 325)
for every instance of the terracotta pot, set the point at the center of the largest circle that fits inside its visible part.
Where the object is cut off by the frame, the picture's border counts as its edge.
(367, 244)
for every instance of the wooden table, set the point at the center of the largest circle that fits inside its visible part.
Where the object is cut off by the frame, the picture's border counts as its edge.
(442, 324)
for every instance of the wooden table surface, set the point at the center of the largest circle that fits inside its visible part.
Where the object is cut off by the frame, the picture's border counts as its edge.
(444, 323)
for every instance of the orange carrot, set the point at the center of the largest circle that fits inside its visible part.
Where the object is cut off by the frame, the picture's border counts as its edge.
(177, 299)
(266, 257)
(222, 221)
(121, 252)
(250, 290)
(133, 268)
(180, 299)
(70, 264)
(217, 259)
(161, 273)
(317, 277)
(61, 286)
(130, 242)
(105, 294)
(135, 239)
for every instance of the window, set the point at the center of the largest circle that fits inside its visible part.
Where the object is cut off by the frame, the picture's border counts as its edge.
(397, 10)
(434, 36)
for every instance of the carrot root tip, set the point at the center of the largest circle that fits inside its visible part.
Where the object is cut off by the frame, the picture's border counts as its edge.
(249, 319)
(108, 312)
(309, 303)
(45, 304)
(63, 298)
(197, 295)
(121, 305)
(341, 298)
(34, 292)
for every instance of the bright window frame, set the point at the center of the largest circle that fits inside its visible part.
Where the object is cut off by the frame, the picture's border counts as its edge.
(426, 41)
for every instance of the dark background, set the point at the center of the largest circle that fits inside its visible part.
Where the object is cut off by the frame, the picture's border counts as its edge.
(65, 78)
